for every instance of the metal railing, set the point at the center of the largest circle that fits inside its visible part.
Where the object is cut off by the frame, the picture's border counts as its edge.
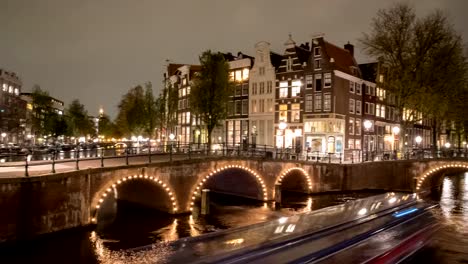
(106, 157)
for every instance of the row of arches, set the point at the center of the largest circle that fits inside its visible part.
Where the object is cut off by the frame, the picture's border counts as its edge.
(439, 169)
(254, 184)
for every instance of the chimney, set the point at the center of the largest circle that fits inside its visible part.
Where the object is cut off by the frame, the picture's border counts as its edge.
(349, 47)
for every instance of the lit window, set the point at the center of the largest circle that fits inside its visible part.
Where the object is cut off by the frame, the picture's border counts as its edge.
(382, 111)
(245, 74)
(358, 127)
(238, 76)
(377, 110)
(351, 126)
(283, 89)
(5, 87)
(188, 90)
(254, 106)
(296, 88)
(29, 106)
(381, 78)
(357, 144)
(283, 113)
(11, 89)
(295, 113)
(350, 143)
(231, 76)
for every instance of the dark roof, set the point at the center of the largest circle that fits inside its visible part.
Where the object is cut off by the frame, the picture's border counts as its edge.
(302, 54)
(343, 59)
(172, 68)
(369, 71)
(275, 59)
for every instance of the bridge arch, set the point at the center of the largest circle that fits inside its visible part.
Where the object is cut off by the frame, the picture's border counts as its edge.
(437, 169)
(111, 186)
(198, 186)
(288, 172)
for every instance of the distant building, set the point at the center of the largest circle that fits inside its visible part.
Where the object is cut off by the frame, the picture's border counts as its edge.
(57, 107)
(12, 108)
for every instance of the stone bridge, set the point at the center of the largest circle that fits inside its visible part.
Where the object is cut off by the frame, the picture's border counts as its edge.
(49, 203)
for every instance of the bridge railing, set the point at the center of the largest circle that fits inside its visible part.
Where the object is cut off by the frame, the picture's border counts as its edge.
(53, 161)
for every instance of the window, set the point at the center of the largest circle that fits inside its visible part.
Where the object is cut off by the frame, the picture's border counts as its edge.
(350, 143)
(184, 81)
(261, 103)
(382, 111)
(254, 106)
(358, 88)
(351, 87)
(372, 109)
(245, 89)
(327, 102)
(367, 108)
(5, 87)
(308, 103)
(283, 89)
(358, 107)
(245, 74)
(377, 110)
(381, 78)
(357, 144)
(16, 91)
(187, 118)
(358, 127)
(318, 82)
(238, 90)
(238, 76)
(317, 64)
(368, 89)
(327, 82)
(10, 90)
(188, 90)
(261, 71)
(254, 88)
(317, 51)
(283, 113)
(262, 88)
(269, 86)
(351, 106)
(296, 88)
(245, 107)
(238, 107)
(318, 102)
(295, 112)
(270, 105)
(309, 81)
(351, 126)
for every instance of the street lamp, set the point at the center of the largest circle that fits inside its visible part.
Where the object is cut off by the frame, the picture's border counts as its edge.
(447, 145)
(367, 126)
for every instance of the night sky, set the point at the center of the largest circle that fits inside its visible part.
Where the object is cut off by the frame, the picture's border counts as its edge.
(95, 50)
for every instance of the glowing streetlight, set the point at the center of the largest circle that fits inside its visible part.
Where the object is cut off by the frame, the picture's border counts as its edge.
(418, 139)
(396, 130)
(367, 124)
(447, 145)
(171, 136)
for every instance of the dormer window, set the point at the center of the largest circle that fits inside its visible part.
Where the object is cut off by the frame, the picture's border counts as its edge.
(317, 52)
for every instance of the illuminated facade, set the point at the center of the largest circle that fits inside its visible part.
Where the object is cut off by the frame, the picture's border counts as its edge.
(262, 95)
(237, 123)
(289, 94)
(12, 109)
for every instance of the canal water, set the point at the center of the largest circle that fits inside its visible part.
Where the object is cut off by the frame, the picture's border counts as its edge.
(450, 243)
(133, 227)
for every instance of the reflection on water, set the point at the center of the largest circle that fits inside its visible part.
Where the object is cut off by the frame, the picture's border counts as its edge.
(450, 244)
(133, 227)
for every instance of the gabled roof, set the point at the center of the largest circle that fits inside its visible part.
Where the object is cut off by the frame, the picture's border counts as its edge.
(275, 59)
(302, 54)
(343, 60)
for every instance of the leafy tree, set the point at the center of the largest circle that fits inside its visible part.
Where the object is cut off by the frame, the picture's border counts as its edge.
(424, 58)
(107, 128)
(79, 122)
(211, 90)
(137, 111)
(42, 106)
